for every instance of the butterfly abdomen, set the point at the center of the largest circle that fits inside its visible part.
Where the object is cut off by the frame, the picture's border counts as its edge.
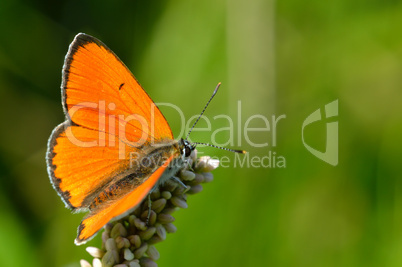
(110, 193)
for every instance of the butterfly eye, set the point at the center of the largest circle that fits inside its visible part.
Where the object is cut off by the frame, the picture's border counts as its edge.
(187, 151)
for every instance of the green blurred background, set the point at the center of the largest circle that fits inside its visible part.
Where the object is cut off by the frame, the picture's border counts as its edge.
(285, 57)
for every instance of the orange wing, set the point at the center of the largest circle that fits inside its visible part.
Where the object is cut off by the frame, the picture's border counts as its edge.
(80, 168)
(108, 115)
(100, 93)
(95, 220)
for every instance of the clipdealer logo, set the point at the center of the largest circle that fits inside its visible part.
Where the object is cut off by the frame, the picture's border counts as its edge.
(330, 155)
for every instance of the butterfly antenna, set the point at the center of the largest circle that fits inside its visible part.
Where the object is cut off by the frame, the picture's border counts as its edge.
(224, 148)
(213, 94)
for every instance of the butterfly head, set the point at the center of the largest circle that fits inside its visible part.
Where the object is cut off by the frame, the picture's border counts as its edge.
(186, 148)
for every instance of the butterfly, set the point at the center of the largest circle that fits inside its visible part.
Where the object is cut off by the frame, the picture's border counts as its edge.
(115, 145)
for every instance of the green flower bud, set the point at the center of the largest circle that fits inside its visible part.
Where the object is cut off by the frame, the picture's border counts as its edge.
(153, 253)
(128, 255)
(178, 202)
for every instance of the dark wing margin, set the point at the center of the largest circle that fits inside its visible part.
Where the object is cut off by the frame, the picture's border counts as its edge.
(80, 40)
(55, 181)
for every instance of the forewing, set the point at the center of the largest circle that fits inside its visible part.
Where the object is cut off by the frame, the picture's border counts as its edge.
(100, 93)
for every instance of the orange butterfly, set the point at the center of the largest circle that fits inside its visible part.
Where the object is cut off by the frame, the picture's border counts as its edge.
(115, 145)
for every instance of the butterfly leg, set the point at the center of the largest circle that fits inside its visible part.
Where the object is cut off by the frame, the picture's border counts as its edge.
(189, 165)
(178, 181)
(149, 206)
(150, 203)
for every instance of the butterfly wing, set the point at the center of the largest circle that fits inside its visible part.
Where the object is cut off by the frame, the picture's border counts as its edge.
(94, 221)
(100, 93)
(79, 168)
(108, 116)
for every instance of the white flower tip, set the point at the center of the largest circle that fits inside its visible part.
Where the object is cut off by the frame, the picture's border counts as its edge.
(97, 262)
(95, 252)
(214, 163)
(210, 163)
(84, 263)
